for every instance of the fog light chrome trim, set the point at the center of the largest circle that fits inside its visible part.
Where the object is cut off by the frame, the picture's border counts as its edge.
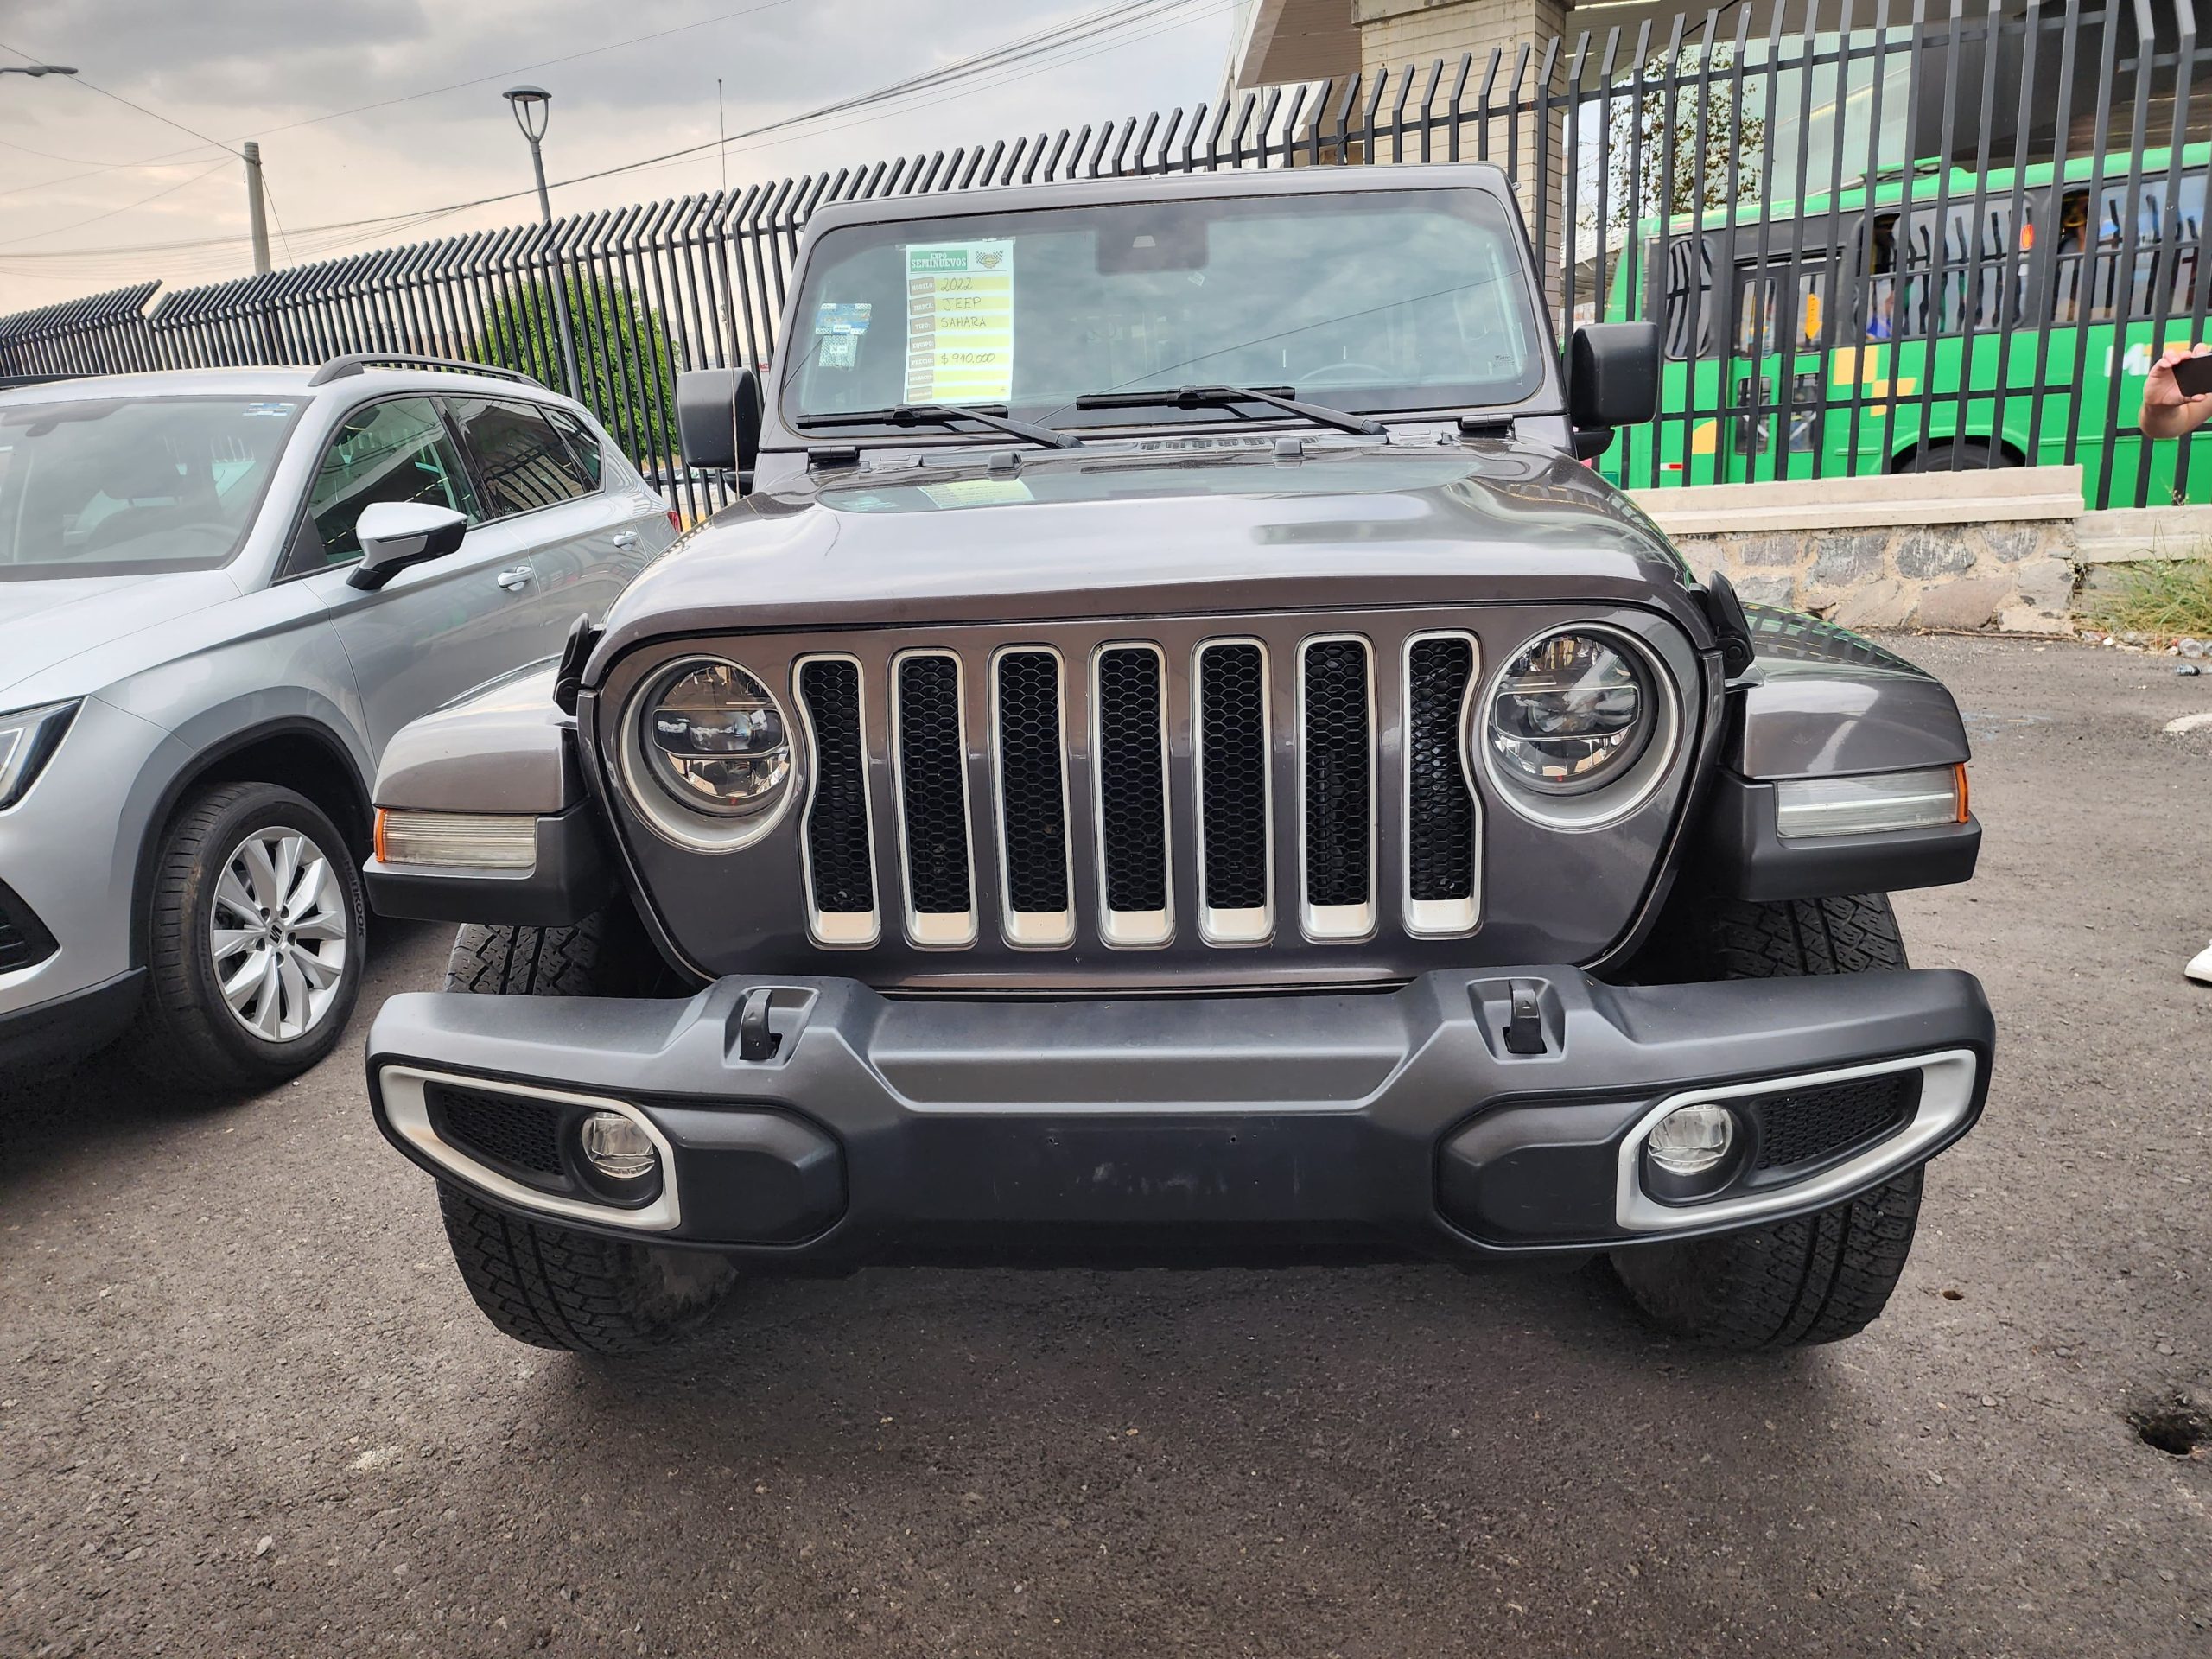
(1946, 1096)
(457, 841)
(406, 1107)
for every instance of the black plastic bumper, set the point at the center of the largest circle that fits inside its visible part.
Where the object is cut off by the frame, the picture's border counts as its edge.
(33, 1039)
(1265, 1127)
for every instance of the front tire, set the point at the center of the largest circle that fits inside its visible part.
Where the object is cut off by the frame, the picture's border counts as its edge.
(257, 930)
(554, 1287)
(1817, 1278)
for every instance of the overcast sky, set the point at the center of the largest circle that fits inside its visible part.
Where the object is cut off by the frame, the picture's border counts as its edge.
(85, 180)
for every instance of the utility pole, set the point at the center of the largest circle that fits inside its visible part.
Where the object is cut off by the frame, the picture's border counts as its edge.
(257, 206)
(721, 132)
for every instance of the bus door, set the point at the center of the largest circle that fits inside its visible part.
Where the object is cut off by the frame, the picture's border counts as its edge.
(1774, 383)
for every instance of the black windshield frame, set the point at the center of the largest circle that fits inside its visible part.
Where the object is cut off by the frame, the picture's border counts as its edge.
(1488, 211)
(13, 414)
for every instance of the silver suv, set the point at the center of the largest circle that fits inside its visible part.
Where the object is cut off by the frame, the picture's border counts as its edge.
(220, 594)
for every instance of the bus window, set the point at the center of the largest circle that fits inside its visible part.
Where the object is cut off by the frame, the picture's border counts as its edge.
(1879, 318)
(2093, 234)
(1971, 277)
(1761, 326)
(1690, 288)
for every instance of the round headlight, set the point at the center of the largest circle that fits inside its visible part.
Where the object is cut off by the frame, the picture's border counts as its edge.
(713, 739)
(1571, 713)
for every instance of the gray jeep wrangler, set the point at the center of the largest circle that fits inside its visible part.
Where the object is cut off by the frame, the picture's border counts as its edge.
(1175, 760)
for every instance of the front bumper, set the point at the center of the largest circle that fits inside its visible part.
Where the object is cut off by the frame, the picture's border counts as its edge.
(1320, 1127)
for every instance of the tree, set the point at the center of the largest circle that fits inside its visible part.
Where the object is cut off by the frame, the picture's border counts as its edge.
(1642, 129)
(624, 356)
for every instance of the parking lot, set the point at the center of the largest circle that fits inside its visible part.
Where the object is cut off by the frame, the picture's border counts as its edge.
(246, 1407)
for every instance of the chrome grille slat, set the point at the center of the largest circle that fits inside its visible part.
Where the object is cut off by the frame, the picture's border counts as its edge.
(838, 845)
(1029, 776)
(1336, 753)
(1129, 780)
(1441, 820)
(1234, 766)
(929, 730)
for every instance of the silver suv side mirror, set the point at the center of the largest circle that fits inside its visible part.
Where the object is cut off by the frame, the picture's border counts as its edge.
(396, 533)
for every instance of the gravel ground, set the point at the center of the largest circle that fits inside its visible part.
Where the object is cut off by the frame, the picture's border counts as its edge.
(246, 1407)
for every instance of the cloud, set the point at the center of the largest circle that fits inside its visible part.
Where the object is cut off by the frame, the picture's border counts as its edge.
(255, 68)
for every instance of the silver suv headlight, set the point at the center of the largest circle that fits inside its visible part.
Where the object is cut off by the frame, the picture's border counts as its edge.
(28, 740)
(707, 754)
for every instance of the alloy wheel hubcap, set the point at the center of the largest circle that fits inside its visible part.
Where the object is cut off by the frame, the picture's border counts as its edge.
(281, 936)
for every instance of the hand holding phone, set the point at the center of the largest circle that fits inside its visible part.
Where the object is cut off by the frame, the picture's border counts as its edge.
(2193, 375)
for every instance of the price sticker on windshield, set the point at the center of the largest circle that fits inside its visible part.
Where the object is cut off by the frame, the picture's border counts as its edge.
(959, 322)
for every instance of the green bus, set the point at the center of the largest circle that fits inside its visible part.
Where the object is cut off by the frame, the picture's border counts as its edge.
(1869, 330)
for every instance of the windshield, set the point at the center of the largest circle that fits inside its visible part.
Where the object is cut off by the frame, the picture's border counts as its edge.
(126, 486)
(1394, 300)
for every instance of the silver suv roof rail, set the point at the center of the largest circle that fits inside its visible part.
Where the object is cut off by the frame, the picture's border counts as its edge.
(339, 367)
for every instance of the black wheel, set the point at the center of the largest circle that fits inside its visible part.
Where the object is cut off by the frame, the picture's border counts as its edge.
(254, 953)
(553, 1287)
(1956, 456)
(1819, 1277)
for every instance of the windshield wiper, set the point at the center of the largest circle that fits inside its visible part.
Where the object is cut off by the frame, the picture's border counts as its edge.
(943, 415)
(1222, 397)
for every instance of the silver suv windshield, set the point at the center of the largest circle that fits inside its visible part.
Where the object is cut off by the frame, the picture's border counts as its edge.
(130, 485)
(1396, 300)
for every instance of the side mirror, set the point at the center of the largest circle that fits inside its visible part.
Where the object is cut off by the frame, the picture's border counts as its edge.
(718, 417)
(396, 533)
(1612, 375)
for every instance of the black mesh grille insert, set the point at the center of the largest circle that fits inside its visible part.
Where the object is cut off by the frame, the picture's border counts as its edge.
(1440, 829)
(1233, 742)
(1032, 814)
(1339, 784)
(23, 939)
(1133, 816)
(836, 822)
(933, 785)
(518, 1136)
(1807, 1125)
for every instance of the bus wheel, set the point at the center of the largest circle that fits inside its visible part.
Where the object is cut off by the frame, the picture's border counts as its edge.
(1955, 456)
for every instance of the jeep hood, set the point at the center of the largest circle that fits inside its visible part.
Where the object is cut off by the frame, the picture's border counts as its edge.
(44, 624)
(1188, 531)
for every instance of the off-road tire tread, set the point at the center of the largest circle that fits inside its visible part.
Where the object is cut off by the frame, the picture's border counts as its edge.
(177, 1039)
(1813, 1278)
(553, 1287)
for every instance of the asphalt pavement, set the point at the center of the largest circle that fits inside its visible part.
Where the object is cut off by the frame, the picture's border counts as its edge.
(247, 1407)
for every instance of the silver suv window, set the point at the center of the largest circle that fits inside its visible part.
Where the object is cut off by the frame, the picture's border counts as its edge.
(524, 463)
(397, 450)
(127, 487)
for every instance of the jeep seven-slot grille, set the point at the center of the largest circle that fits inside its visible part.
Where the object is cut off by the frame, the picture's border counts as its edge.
(933, 787)
(1079, 755)
(1132, 780)
(1232, 763)
(1337, 740)
(1439, 808)
(837, 818)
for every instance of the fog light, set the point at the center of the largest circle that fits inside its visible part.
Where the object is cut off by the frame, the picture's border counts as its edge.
(1691, 1140)
(618, 1147)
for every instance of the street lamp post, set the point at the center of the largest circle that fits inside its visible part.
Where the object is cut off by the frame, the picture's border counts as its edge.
(533, 108)
(35, 70)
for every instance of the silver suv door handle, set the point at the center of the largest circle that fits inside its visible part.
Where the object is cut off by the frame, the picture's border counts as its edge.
(512, 580)
(625, 538)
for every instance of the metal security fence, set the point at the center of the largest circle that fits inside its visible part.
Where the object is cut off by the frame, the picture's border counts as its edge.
(1876, 235)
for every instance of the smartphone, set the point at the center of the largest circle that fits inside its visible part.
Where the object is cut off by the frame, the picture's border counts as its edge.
(2194, 375)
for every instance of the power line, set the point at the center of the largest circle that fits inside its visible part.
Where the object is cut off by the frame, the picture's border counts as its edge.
(167, 190)
(1047, 48)
(79, 80)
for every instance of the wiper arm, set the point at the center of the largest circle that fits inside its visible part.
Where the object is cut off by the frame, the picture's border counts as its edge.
(1222, 397)
(943, 415)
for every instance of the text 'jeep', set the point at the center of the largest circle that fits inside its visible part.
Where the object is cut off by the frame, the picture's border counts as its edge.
(1175, 761)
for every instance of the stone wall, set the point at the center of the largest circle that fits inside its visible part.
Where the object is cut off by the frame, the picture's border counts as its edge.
(2016, 575)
